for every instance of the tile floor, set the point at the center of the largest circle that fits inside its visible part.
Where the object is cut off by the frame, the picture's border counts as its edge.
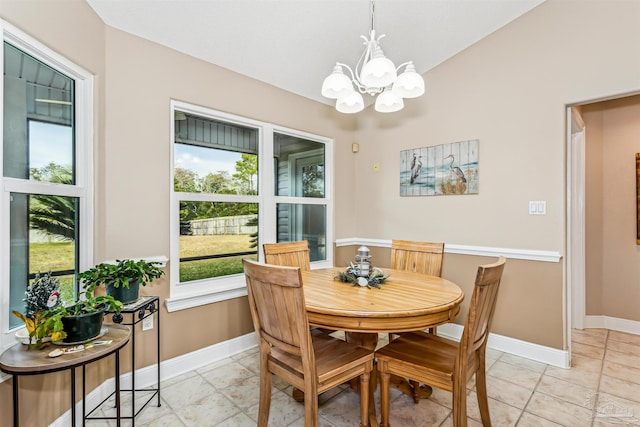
(601, 389)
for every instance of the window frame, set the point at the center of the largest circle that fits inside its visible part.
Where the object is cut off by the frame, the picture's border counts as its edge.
(83, 187)
(206, 291)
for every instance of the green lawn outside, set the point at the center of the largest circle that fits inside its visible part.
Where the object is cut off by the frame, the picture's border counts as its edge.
(213, 245)
(55, 256)
(58, 256)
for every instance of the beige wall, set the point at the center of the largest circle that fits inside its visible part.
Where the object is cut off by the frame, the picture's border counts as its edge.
(509, 91)
(593, 210)
(134, 161)
(612, 134)
(135, 81)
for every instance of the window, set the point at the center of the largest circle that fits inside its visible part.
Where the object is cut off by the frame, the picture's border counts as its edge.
(46, 200)
(238, 183)
(300, 166)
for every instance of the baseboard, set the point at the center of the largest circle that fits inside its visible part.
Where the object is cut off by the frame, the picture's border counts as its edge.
(146, 377)
(539, 353)
(612, 323)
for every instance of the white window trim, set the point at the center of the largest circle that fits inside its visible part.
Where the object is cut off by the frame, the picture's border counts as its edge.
(197, 293)
(84, 128)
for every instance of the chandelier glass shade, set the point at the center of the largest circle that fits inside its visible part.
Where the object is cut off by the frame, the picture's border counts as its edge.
(374, 74)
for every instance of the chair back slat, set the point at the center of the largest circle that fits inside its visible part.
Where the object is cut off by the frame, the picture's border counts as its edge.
(481, 307)
(292, 254)
(419, 257)
(278, 308)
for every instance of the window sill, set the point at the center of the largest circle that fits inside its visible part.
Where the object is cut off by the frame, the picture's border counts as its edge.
(185, 296)
(183, 302)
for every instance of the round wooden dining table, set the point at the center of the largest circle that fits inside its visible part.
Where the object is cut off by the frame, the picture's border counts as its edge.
(405, 302)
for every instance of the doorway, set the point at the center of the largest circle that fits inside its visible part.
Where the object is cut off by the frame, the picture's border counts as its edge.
(602, 215)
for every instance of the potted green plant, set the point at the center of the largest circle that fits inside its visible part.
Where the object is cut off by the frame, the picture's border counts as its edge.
(79, 322)
(123, 279)
(82, 321)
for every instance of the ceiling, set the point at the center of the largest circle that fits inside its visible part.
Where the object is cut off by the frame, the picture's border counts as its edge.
(293, 44)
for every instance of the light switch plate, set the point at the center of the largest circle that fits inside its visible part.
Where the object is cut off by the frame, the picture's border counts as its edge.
(537, 207)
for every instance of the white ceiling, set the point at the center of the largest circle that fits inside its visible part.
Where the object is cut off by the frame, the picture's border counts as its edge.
(293, 44)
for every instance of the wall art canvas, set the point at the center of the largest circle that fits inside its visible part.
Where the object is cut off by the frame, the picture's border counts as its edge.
(440, 169)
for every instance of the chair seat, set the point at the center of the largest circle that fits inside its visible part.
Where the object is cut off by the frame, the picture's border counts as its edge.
(417, 355)
(337, 361)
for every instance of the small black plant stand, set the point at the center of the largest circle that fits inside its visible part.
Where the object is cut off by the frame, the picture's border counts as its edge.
(132, 314)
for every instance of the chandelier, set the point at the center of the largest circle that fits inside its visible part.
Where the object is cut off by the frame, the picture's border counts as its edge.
(374, 74)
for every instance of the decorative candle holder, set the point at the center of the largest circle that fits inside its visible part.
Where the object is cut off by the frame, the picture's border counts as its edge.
(362, 273)
(363, 263)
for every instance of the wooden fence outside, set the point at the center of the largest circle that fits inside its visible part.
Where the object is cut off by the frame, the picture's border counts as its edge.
(223, 225)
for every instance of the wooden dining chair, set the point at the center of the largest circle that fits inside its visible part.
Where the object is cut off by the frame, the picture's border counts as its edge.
(291, 254)
(443, 363)
(419, 257)
(311, 362)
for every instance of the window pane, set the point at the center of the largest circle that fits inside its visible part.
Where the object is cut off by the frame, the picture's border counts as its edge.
(215, 237)
(38, 119)
(299, 165)
(43, 238)
(304, 222)
(51, 153)
(214, 157)
(208, 170)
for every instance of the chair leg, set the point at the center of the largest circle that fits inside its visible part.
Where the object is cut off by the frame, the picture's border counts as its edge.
(364, 399)
(310, 406)
(385, 378)
(459, 402)
(481, 391)
(265, 396)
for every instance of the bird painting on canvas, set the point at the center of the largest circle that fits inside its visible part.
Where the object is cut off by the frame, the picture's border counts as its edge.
(416, 165)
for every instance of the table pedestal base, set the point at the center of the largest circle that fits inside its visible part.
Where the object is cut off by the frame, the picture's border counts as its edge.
(298, 395)
(411, 388)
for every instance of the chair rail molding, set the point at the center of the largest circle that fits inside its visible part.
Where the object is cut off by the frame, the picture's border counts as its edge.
(525, 254)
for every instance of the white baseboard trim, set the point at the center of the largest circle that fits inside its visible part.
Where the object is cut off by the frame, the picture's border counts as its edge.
(199, 358)
(612, 323)
(539, 353)
(146, 377)
(526, 254)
